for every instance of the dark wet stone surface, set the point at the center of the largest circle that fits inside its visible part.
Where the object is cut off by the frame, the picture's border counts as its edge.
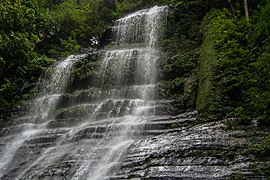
(204, 151)
(177, 150)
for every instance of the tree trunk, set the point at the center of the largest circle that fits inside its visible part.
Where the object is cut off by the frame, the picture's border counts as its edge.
(246, 9)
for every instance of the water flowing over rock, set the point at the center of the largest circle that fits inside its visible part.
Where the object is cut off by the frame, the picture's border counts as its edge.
(117, 129)
(52, 87)
(52, 144)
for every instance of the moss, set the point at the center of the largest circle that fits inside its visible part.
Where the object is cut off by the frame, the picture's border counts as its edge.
(208, 57)
(220, 67)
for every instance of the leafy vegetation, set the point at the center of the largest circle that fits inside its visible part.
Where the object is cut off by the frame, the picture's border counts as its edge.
(181, 46)
(20, 65)
(75, 24)
(238, 77)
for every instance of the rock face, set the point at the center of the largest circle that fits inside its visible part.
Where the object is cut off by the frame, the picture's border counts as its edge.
(164, 148)
(202, 151)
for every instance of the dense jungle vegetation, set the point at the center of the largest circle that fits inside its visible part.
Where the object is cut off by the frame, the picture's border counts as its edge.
(216, 60)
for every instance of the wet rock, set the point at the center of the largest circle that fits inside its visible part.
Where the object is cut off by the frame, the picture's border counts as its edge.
(205, 151)
(167, 147)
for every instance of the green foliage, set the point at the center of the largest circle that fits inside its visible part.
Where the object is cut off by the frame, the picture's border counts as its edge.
(17, 32)
(69, 46)
(259, 93)
(125, 6)
(239, 75)
(86, 68)
(73, 24)
(228, 73)
(182, 41)
(20, 25)
(181, 46)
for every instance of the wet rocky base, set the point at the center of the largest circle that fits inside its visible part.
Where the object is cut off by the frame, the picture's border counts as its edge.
(214, 150)
(167, 147)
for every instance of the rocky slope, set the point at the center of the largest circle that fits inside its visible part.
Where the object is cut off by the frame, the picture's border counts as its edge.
(204, 151)
(166, 148)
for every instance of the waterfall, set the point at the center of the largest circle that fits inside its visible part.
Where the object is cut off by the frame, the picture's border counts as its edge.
(130, 64)
(51, 88)
(91, 147)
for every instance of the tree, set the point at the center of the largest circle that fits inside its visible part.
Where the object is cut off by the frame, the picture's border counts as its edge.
(246, 9)
(20, 25)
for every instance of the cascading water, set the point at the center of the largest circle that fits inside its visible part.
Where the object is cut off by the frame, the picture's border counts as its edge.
(51, 88)
(129, 64)
(122, 104)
